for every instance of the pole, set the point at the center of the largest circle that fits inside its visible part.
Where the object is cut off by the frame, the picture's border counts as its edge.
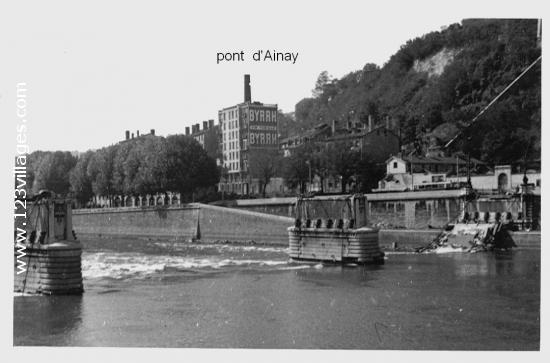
(310, 186)
(457, 177)
(412, 176)
(469, 179)
(309, 168)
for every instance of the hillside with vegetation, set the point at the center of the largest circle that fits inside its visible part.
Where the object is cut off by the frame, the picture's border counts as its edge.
(441, 81)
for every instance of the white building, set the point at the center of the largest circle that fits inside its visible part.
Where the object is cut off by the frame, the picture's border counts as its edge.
(424, 173)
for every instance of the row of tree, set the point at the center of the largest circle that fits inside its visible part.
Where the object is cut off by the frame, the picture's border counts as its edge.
(335, 159)
(146, 165)
(177, 163)
(322, 160)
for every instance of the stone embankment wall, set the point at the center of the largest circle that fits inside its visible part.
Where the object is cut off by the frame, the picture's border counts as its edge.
(219, 223)
(180, 221)
(213, 223)
(284, 206)
(192, 221)
(413, 210)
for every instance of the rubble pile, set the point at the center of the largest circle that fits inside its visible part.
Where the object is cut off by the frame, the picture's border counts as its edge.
(476, 235)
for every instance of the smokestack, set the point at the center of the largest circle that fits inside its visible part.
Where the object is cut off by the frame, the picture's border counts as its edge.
(127, 135)
(247, 95)
(187, 130)
(205, 125)
(370, 123)
(153, 132)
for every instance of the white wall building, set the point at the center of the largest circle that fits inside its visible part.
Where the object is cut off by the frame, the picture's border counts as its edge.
(399, 177)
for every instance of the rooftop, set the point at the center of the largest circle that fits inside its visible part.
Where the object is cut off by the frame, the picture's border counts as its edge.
(417, 159)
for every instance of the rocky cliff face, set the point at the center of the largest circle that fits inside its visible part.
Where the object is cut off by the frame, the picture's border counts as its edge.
(436, 64)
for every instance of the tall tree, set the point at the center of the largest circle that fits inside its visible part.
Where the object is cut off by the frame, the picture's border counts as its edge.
(81, 184)
(187, 165)
(264, 166)
(52, 172)
(296, 168)
(322, 81)
(369, 173)
(100, 171)
(344, 160)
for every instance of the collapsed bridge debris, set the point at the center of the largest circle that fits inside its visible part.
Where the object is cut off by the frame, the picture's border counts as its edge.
(483, 232)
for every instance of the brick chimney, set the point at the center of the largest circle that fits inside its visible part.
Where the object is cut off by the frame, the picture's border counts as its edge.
(247, 91)
(137, 133)
(205, 125)
(210, 124)
(153, 132)
(127, 134)
(187, 130)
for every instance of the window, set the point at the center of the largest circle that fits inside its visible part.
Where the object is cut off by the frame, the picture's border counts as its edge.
(395, 164)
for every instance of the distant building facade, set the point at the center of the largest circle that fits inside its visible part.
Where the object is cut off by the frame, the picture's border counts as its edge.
(208, 138)
(375, 142)
(131, 136)
(409, 173)
(247, 130)
(379, 142)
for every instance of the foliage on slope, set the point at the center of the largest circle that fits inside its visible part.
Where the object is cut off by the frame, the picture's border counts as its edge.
(487, 54)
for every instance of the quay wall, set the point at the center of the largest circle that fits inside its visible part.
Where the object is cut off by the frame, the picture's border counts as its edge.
(281, 206)
(175, 222)
(214, 223)
(192, 221)
(220, 223)
(412, 210)
(408, 240)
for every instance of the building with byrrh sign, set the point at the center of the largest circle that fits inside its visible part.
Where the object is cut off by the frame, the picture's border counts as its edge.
(249, 132)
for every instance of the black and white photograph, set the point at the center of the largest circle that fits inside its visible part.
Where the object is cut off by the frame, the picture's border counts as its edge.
(263, 180)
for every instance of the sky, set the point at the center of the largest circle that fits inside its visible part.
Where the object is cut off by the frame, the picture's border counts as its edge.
(95, 69)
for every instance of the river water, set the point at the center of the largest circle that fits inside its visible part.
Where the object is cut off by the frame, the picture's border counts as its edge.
(172, 294)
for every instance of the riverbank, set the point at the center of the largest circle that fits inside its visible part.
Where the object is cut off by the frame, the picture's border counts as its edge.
(222, 225)
(389, 240)
(409, 240)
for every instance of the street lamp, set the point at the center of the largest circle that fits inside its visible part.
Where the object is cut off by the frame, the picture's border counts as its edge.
(309, 167)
